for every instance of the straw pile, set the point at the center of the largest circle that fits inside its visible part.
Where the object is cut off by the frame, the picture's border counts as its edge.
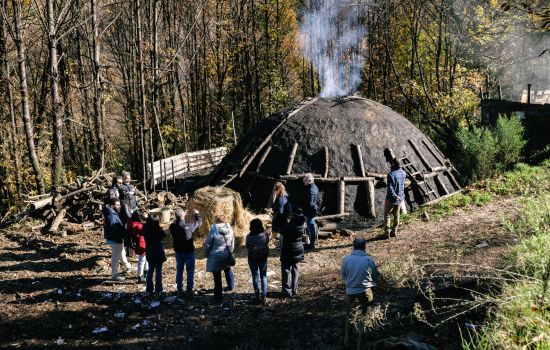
(213, 201)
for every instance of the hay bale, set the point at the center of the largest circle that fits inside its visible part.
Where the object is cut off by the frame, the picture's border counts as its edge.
(213, 201)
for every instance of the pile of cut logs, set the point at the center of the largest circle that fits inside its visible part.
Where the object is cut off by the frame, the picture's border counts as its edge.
(77, 207)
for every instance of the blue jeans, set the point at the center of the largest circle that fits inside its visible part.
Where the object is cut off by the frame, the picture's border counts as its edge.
(183, 259)
(229, 278)
(261, 267)
(312, 230)
(155, 268)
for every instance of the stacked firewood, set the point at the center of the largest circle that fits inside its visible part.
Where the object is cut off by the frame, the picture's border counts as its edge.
(77, 207)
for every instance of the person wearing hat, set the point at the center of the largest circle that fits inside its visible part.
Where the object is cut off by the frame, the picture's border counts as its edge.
(360, 274)
(395, 195)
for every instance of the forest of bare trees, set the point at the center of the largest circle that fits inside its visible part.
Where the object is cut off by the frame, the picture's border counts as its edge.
(105, 84)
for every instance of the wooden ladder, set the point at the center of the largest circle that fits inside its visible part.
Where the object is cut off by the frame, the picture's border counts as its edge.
(427, 192)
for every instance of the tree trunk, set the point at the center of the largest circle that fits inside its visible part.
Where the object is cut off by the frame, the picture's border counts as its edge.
(6, 81)
(57, 114)
(154, 64)
(23, 90)
(98, 111)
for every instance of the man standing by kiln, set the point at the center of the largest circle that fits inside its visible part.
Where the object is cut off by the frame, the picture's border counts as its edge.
(310, 209)
(395, 195)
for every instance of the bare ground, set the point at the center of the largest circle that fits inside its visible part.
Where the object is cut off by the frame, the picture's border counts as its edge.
(54, 291)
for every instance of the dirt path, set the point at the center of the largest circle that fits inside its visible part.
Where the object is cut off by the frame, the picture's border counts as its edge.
(54, 291)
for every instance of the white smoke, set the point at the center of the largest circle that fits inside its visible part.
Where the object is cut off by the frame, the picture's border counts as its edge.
(330, 37)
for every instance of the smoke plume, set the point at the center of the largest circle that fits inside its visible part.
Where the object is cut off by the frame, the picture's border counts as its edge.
(331, 36)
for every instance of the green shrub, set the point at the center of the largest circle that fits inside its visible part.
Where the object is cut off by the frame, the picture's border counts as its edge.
(509, 133)
(477, 153)
(482, 152)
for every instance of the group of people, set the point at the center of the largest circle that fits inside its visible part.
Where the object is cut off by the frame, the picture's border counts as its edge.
(294, 223)
(126, 227)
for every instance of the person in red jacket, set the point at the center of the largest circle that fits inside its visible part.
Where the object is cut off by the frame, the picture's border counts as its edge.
(135, 229)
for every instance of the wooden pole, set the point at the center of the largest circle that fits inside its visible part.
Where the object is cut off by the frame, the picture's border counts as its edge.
(371, 203)
(341, 197)
(165, 176)
(173, 173)
(161, 177)
(332, 216)
(433, 153)
(234, 131)
(441, 185)
(360, 158)
(291, 158)
(325, 170)
(250, 157)
(455, 183)
(419, 154)
(153, 180)
(262, 159)
(143, 159)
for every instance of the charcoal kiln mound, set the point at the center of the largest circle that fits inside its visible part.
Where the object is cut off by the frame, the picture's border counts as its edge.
(343, 143)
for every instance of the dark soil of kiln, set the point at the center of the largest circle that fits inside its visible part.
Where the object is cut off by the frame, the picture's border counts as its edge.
(54, 292)
(339, 125)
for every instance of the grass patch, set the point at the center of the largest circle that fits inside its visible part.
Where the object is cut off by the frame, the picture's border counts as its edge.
(521, 316)
(446, 207)
(523, 180)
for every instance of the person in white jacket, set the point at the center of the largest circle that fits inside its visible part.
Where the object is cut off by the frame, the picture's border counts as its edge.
(218, 247)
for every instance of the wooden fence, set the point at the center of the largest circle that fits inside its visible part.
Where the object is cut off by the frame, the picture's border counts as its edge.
(185, 164)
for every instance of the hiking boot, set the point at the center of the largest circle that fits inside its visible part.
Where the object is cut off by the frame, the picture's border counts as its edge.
(393, 233)
(263, 300)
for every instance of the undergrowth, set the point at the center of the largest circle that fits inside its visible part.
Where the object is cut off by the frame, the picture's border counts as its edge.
(520, 318)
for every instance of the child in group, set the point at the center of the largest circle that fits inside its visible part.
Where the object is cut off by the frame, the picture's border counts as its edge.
(135, 230)
(154, 252)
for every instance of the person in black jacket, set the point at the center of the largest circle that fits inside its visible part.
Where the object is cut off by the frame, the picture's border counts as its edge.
(310, 208)
(154, 251)
(182, 236)
(127, 195)
(113, 191)
(292, 252)
(257, 246)
(114, 233)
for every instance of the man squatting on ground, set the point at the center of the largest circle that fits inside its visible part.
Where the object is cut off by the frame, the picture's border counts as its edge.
(360, 274)
(184, 248)
(310, 208)
(114, 233)
(395, 195)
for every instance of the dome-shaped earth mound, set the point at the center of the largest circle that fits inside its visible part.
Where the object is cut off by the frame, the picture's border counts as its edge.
(342, 142)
